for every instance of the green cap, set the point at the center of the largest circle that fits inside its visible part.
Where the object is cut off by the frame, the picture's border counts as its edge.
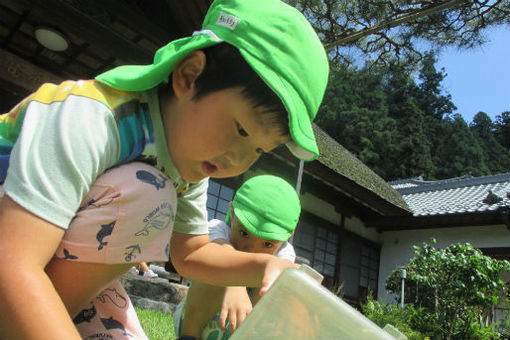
(268, 207)
(277, 42)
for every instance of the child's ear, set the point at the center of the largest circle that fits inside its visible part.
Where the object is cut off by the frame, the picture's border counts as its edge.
(231, 209)
(186, 71)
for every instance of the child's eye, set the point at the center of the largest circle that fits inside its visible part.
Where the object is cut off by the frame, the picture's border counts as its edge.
(241, 130)
(243, 233)
(268, 245)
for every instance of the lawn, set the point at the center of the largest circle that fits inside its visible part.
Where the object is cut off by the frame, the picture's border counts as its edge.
(157, 325)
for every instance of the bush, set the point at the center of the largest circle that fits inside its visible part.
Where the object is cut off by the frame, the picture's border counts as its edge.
(382, 314)
(453, 289)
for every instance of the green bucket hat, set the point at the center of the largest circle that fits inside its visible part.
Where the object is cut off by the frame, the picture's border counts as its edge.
(268, 207)
(277, 42)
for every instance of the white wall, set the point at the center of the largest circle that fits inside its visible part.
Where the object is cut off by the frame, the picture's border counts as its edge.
(356, 226)
(397, 245)
(326, 211)
(320, 208)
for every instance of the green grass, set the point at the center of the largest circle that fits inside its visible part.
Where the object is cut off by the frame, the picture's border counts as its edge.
(157, 325)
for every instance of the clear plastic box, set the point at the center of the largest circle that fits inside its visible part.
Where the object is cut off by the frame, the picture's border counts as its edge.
(298, 307)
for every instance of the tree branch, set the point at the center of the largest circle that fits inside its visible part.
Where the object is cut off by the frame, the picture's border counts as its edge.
(418, 13)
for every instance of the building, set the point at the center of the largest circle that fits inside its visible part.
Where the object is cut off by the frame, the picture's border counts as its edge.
(466, 209)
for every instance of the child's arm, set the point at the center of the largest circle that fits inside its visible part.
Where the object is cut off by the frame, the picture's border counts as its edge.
(30, 306)
(194, 257)
(236, 306)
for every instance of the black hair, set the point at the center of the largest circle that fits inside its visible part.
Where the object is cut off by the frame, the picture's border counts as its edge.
(226, 68)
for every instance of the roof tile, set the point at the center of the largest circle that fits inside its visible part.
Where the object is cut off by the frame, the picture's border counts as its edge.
(455, 195)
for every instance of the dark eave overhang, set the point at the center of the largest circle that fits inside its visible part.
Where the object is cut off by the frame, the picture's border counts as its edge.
(354, 190)
(485, 218)
(348, 195)
(72, 20)
(288, 168)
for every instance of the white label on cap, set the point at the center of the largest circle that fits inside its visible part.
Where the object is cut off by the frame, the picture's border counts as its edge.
(227, 20)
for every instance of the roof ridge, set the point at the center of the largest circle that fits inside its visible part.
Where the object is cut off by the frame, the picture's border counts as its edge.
(451, 183)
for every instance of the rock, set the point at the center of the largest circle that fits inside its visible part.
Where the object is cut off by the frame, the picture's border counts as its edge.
(145, 303)
(155, 293)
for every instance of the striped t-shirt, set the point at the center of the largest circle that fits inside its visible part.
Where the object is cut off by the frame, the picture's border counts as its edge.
(57, 141)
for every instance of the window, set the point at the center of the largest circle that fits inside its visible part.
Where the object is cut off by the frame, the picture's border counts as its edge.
(318, 244)
(369, 268)
(218, 198)
(359, 266)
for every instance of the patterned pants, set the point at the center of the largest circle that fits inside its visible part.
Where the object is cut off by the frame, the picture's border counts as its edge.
(127, 217)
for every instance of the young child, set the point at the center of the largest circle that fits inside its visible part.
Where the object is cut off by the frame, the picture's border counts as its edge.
(143, 269)
(78, 212)
(263, 215)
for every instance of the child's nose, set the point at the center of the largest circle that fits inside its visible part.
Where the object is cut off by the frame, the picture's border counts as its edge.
(237, 157)
(250, 247)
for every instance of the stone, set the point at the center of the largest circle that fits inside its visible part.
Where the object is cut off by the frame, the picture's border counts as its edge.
(153, 293)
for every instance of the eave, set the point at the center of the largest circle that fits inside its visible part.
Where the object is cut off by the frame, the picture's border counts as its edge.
(473, 219)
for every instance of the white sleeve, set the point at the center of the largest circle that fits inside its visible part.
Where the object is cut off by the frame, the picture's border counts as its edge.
(62, 147)
(191, 217)
(287, 252)
(218, 230)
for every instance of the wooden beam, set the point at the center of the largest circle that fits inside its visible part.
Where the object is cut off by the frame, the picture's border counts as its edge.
(71, 20)
(347, 186)
(129, 15)
(275, 164)
(22, 73)
(353, 189)
(486, 218)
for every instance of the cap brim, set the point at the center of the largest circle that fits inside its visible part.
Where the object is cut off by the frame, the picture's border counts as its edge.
(258, 226)
(144, 77)
(303, 144)
(301, 153)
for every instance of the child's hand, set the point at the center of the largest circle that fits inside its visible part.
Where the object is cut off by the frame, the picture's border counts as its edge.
(273, 269)
(236, 306)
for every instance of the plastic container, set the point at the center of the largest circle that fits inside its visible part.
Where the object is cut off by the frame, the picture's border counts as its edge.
(298, 307)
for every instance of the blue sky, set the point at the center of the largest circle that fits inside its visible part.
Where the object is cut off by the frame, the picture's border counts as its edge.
(479, 79)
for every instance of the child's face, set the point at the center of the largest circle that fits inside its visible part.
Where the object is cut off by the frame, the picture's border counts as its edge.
(219, 135)
(242, 240)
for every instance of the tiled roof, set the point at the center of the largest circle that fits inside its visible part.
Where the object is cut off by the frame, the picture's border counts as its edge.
(456, 195)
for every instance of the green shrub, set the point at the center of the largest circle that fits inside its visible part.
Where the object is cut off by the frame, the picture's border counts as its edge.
(453, 290)
(382, 314)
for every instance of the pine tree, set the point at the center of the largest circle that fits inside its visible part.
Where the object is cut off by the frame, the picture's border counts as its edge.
(495, 155)
(413, 156)
(502, 127)
(459, 152)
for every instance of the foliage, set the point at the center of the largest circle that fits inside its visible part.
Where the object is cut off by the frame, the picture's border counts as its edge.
(392, 112)
(497, 156)
(403, 127)
(502, 126)
(388, 30)
(455, 287)
(382, 314)
(157, 325)
(458, 152)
